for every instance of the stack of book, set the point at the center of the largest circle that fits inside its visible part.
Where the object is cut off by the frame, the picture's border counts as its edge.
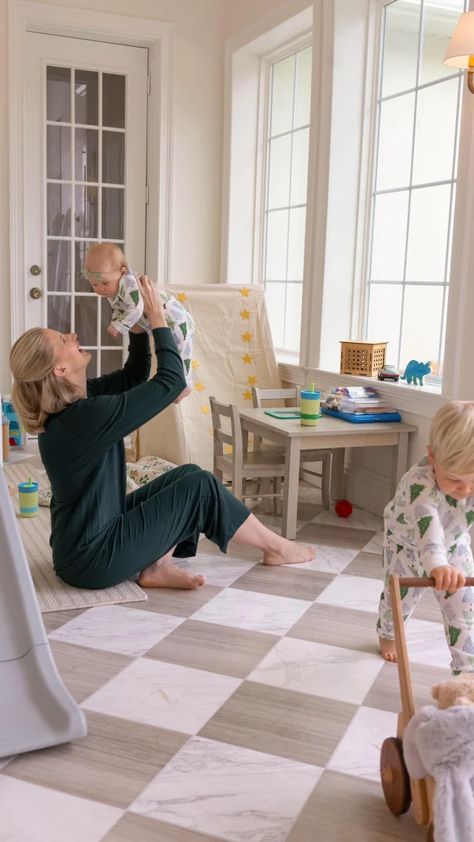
(357, 400)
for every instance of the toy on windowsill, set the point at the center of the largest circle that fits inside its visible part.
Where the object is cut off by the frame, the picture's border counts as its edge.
(343, 508)
(415, 371)
(16, 435)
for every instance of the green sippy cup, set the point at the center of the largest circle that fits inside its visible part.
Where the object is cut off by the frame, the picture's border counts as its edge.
(309, 406)
(28, 491)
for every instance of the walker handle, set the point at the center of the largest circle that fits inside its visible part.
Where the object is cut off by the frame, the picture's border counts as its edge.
(423, 582)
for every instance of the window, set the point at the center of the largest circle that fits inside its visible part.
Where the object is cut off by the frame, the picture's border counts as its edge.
(412, 205)
(284, 212)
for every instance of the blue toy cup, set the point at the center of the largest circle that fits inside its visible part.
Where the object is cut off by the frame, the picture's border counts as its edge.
(309, 404)
(29, 502)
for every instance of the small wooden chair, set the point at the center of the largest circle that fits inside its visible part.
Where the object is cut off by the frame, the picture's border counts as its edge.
(240, 465)
(291, 397)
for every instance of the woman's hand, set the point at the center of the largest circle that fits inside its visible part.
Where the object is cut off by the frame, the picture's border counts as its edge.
(152, 304)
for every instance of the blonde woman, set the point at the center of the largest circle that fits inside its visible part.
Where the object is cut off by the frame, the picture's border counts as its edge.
(101, 536)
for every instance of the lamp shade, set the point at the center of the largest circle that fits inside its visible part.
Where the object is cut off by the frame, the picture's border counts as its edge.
(461, 46)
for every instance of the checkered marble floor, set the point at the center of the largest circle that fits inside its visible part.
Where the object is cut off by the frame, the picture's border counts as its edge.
(250, 710)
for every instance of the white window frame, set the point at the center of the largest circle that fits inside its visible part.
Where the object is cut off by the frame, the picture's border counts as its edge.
(378, 55)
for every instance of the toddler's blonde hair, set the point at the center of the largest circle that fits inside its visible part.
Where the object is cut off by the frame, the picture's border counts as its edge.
(452, 437)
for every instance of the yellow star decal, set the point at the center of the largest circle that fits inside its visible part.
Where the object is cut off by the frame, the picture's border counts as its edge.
(199, 387)
(247, 336)
(210, 432)
(228, 449)
(247, 358)
(245, 314)
(181, 296)
(195, 364)
(251, 380)
(247, 396)
(204, 409)
(245, 292)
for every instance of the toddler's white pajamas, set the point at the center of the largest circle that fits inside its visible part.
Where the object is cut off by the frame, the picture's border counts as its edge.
(424, 529)
(127, 310)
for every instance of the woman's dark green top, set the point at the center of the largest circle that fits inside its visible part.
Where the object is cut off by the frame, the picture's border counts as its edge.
(82, 447)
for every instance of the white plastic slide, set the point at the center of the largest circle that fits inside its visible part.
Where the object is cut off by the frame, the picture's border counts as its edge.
(36, 710)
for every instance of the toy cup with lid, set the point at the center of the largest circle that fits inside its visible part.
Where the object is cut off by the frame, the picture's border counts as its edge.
(309, 406)
(29, 504)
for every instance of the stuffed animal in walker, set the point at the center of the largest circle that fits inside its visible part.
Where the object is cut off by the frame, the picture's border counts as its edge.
(456, 691)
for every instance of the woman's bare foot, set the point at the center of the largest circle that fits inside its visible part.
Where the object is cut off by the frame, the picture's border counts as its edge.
(387, 649)
(288, 553)
(164, 574)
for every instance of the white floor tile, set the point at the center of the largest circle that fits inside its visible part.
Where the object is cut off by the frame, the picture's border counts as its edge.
(230, 792)
(359, 519)
(320, 670)
(253, 611)
(330, 559)
(375, 545)
(165, 695)
(357, 592)
(116, 628)
(358, 753)
(426, 643)
(31, 813)
(220, 570)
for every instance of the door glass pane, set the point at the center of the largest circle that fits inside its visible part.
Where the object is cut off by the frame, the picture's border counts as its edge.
(279, 172)
(105, 317)
(275, 301)
(395, 142)
(58, 145)
(85, 316)
(421, 324)
(435, 132)
(110, 361)
(428, 235)
(86, 155)
(299, 167)
(113, 157)
(276, 245)
(86, 97)
(296, 244)
(281, 114)
(86, 215)
(112, 214)
(80, 283)
(294, 297)
(400, 49)
(59, 313)
(113, 98)
(58, 94)
(302, 88)
(59, 265)
(59, 210)
(385, 304)
(389, 237)
(437, 30)
(92, 366)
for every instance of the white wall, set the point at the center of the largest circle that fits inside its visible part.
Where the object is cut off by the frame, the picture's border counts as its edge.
(197, 141)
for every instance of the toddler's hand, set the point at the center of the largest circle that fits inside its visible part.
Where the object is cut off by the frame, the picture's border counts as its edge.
(112, 331)
(447, 578)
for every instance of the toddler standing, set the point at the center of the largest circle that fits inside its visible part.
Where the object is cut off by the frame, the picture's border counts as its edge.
(107, 271)
(426, 533)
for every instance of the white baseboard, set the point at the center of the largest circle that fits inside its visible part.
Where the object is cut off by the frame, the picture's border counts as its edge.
(366, 489)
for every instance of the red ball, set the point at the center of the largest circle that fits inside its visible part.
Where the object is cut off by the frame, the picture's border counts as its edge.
(343, 508)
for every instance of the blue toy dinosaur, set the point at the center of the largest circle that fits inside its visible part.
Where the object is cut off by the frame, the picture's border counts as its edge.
(415, 372)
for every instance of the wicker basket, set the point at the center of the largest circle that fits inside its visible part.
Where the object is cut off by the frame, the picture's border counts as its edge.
(362, 358)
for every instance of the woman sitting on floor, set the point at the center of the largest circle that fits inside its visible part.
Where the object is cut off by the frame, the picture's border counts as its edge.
(101, 536)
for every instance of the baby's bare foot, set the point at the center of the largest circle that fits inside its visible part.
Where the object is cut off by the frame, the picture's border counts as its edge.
(165, 574)
(388, 650)
(289, 553)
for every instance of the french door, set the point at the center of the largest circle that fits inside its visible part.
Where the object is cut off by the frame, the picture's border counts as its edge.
(85, 179)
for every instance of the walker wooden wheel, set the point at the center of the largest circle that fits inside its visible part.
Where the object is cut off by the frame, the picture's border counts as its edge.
(394, 775)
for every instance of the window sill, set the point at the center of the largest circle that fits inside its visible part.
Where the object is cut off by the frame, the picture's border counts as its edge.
(420, 400)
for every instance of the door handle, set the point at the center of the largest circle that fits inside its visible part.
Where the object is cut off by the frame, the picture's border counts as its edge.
(35, 292)
(35, 269)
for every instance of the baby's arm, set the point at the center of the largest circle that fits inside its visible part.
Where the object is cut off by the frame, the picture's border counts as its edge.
(431, 540)
(182, 327)
(127, 306)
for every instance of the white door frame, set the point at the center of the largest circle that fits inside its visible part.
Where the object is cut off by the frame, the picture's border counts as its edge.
(25, 16)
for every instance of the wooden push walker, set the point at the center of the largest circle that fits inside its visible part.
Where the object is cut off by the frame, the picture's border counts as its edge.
(399, 789)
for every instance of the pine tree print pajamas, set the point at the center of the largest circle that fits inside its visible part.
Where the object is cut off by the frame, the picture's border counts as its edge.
(127, 310)
(424, 529)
